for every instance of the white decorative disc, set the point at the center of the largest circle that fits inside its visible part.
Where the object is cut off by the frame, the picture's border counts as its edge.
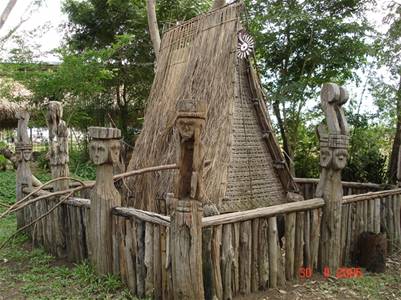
(246, 44)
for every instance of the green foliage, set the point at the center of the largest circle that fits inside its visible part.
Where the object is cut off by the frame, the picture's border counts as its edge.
(33, 274)
(81, 166)
(307, 153)
(367, 153)
(302, 44)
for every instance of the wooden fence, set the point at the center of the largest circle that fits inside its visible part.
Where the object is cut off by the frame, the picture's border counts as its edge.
(242, 252)
(307, 187)
(184, 255)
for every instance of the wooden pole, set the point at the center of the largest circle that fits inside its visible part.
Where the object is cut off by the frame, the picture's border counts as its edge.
(186, 217)
(23, 149)
(333, 135)
(104, 152)
(58, 157)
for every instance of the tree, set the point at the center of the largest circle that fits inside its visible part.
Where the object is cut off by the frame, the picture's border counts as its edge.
(153, 26)
(98, 24)
(6, 12)
(300, 45)
(388, 90)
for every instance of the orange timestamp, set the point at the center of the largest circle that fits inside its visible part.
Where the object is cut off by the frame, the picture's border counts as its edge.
(307, 272)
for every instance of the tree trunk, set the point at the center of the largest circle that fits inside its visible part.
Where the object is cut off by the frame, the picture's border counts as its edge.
(289, 153)
(153, 27)
(392, 172)
(6, 12)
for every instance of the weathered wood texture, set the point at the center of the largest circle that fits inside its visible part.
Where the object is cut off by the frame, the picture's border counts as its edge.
(104, 152)
(307, 187)
(186, 216)
(58, 158)
(333, 136)
(233, 249)
(23, 149)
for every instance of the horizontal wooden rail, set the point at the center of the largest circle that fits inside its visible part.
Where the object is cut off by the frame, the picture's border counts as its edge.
(349, 183)
(146, 216)
(262, 212)
(370, 195)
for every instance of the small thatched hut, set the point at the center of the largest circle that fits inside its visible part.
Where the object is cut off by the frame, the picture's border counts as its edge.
(8, 117)
(199, 59)
(8, 109)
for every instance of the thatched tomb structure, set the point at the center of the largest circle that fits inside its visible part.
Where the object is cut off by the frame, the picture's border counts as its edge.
(245, 167)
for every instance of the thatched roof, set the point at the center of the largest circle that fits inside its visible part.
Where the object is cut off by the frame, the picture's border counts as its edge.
(8, 117)
(8, 108)
(198, 60)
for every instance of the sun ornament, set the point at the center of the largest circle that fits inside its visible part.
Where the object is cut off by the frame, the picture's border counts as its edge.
(246, 44)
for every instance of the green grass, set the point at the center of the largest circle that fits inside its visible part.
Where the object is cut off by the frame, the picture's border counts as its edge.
(33, 274)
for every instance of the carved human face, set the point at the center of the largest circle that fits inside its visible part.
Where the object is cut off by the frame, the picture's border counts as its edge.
(326, 156)
(27, 155)
(186, 127)
(339, 158)
(102, 152)
(114, 153)
(99, 152)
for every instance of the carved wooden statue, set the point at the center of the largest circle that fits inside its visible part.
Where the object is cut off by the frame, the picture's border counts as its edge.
(186, 217)
(333, 138)
(58, 144)
(58, 158)
(104, 152)
(23, 149)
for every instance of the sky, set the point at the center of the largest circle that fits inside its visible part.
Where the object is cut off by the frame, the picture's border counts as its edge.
(50, 14)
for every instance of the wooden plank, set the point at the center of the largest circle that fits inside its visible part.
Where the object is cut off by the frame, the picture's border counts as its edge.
(307, 252)
(245, 254)
(299, 243)
(290, 220)
(140, 258)
(255, 256)
(262, 212)
(129, 257)
(370, 195)
(146, 216)
(344, 231)
(116, 245)
(216, 257)
(235, 268)
(263, 255)
(315, 237)
(377, 215)
(157, 263)
(273, 252)
(149, 283)
(227, 261)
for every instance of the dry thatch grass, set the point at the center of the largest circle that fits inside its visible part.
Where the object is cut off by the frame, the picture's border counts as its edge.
(11, 90)
(8, 117)
(198, 60)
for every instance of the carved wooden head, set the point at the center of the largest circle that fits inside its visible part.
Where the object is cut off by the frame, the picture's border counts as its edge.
(340, 157)
(104, 151)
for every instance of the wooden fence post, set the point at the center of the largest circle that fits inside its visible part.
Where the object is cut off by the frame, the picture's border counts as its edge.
(23, 149)
(333, 136)
(58, 157)
(104, 152)
(186, 216)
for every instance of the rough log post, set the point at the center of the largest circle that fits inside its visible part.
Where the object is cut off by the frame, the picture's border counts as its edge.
(333, 137)
(104, 152)
(23, 148)
(399, 168)
(186, 217)
(58, 157)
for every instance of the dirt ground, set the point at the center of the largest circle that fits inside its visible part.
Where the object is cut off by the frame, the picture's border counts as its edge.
(370, 286)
